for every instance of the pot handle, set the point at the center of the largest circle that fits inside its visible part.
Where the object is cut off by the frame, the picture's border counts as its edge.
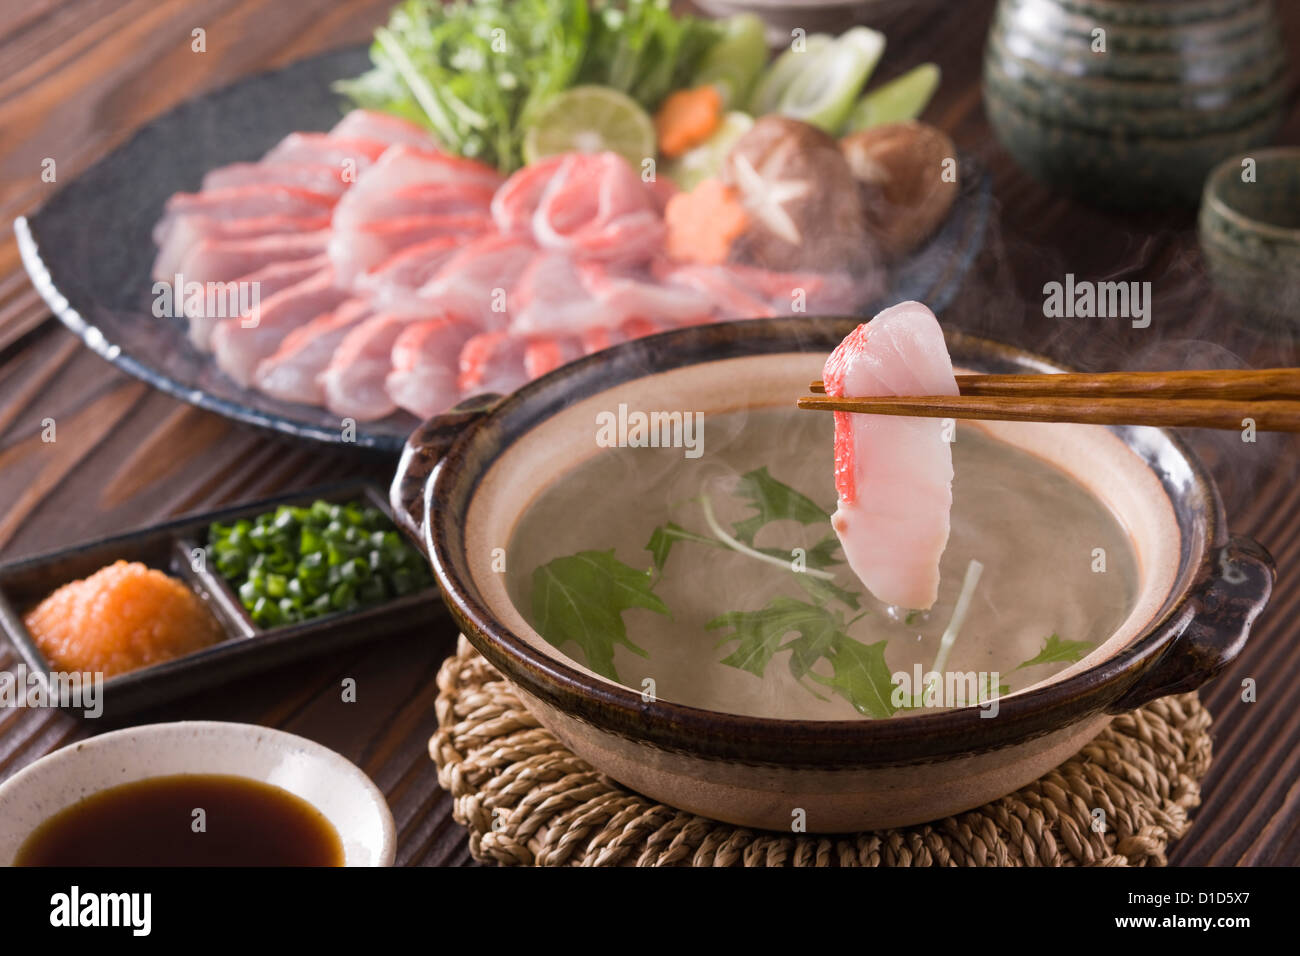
(1223, 607)
(424, 448)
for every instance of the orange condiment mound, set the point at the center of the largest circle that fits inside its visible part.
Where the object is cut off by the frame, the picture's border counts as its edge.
(121, 618)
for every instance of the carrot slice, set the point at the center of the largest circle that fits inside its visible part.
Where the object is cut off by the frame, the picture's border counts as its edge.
(704, 223)
(688, 118)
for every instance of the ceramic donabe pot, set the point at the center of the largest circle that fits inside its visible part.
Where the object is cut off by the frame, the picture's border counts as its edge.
(464, 483)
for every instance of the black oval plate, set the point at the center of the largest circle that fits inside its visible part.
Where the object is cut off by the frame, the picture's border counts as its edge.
(89, 249)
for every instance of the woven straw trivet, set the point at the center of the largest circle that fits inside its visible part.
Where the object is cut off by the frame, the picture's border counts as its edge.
(552, 809)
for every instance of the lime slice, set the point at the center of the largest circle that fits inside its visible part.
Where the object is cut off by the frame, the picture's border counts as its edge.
(823, 94)
(591, 119)
(705, 161)
(773, 84)
(897, 101)
(735, 60)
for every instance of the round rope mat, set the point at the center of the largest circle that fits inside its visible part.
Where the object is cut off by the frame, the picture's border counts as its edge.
(526, 800)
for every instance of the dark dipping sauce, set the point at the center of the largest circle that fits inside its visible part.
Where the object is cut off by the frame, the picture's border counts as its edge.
(152, 823)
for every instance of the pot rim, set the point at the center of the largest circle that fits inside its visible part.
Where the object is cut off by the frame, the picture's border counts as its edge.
(679, 728)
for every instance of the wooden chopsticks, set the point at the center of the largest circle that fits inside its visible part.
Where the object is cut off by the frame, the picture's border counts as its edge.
(1217, 398)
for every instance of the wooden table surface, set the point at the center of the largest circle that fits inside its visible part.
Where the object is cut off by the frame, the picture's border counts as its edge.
(78, 76)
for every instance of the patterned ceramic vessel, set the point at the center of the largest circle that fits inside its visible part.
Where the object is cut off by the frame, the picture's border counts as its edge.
(1250, 230)
(1132, 102)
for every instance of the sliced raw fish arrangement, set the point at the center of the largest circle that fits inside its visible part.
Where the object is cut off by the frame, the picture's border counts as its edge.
(425, 378)
(893, 475)
(293, 372)
(393, 275)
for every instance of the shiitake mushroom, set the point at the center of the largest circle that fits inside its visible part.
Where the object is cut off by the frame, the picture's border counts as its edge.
(901, 171)
(801, 198)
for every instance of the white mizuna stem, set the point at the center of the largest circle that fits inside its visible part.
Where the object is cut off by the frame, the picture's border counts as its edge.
(735, 545)
(973, 572)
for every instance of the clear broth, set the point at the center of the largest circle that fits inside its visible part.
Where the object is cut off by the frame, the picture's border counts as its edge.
(1033, 527)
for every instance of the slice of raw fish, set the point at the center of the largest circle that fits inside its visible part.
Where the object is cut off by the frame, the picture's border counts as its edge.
(596, 339)
(546, 355)
(811, 293)
(223, 260)
(382, 128)
(354, 155)
(551, 299)
(292, 373)
(266, 281)
(242, 202)
(354, 379)
(628, 296)
(515, 203)
(426, 365)
(893, 475)
(730, 296)
(394, 284)
(595, 206)
(480, 283)
(188, 231)
(492, 362)
(240, 344)
(402, 167)
(425, 199)
(317, 177)
(355, 251)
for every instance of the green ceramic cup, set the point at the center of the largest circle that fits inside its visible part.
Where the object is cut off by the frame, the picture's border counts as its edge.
(1250, 230)
(1131, 102)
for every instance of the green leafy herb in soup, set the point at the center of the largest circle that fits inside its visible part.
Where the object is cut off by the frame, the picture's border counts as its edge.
(719, 583)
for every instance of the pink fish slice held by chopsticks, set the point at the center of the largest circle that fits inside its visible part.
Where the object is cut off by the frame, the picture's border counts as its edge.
(893, 475)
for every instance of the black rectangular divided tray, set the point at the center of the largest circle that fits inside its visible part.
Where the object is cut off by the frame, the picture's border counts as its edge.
(247, 648)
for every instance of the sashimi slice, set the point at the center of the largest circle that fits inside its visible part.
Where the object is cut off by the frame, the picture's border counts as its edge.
(240, 344)
(221, 260)
(426, 366)
(728, 295)
(546, 355)
(355, 251)
(354, 379)
(326, 148)
(480, 283)
(515, 203)
(595, 206)
(626, 296)
(893, 475)
(492, 362)
(242, 202)
(401, 167)
(424, 199)
(394, 285)
(320, 178)
(813, 293)
(292, 373)
(382, 128)
(594, 340)
(188, 231)
(551, 299)
(266, 281)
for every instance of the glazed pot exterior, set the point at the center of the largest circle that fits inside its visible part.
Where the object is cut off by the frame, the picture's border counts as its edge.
(824, 799)
(1130, 102)
(463, 483)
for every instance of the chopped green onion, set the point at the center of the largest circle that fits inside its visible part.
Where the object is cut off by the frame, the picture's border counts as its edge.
(292, 564)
